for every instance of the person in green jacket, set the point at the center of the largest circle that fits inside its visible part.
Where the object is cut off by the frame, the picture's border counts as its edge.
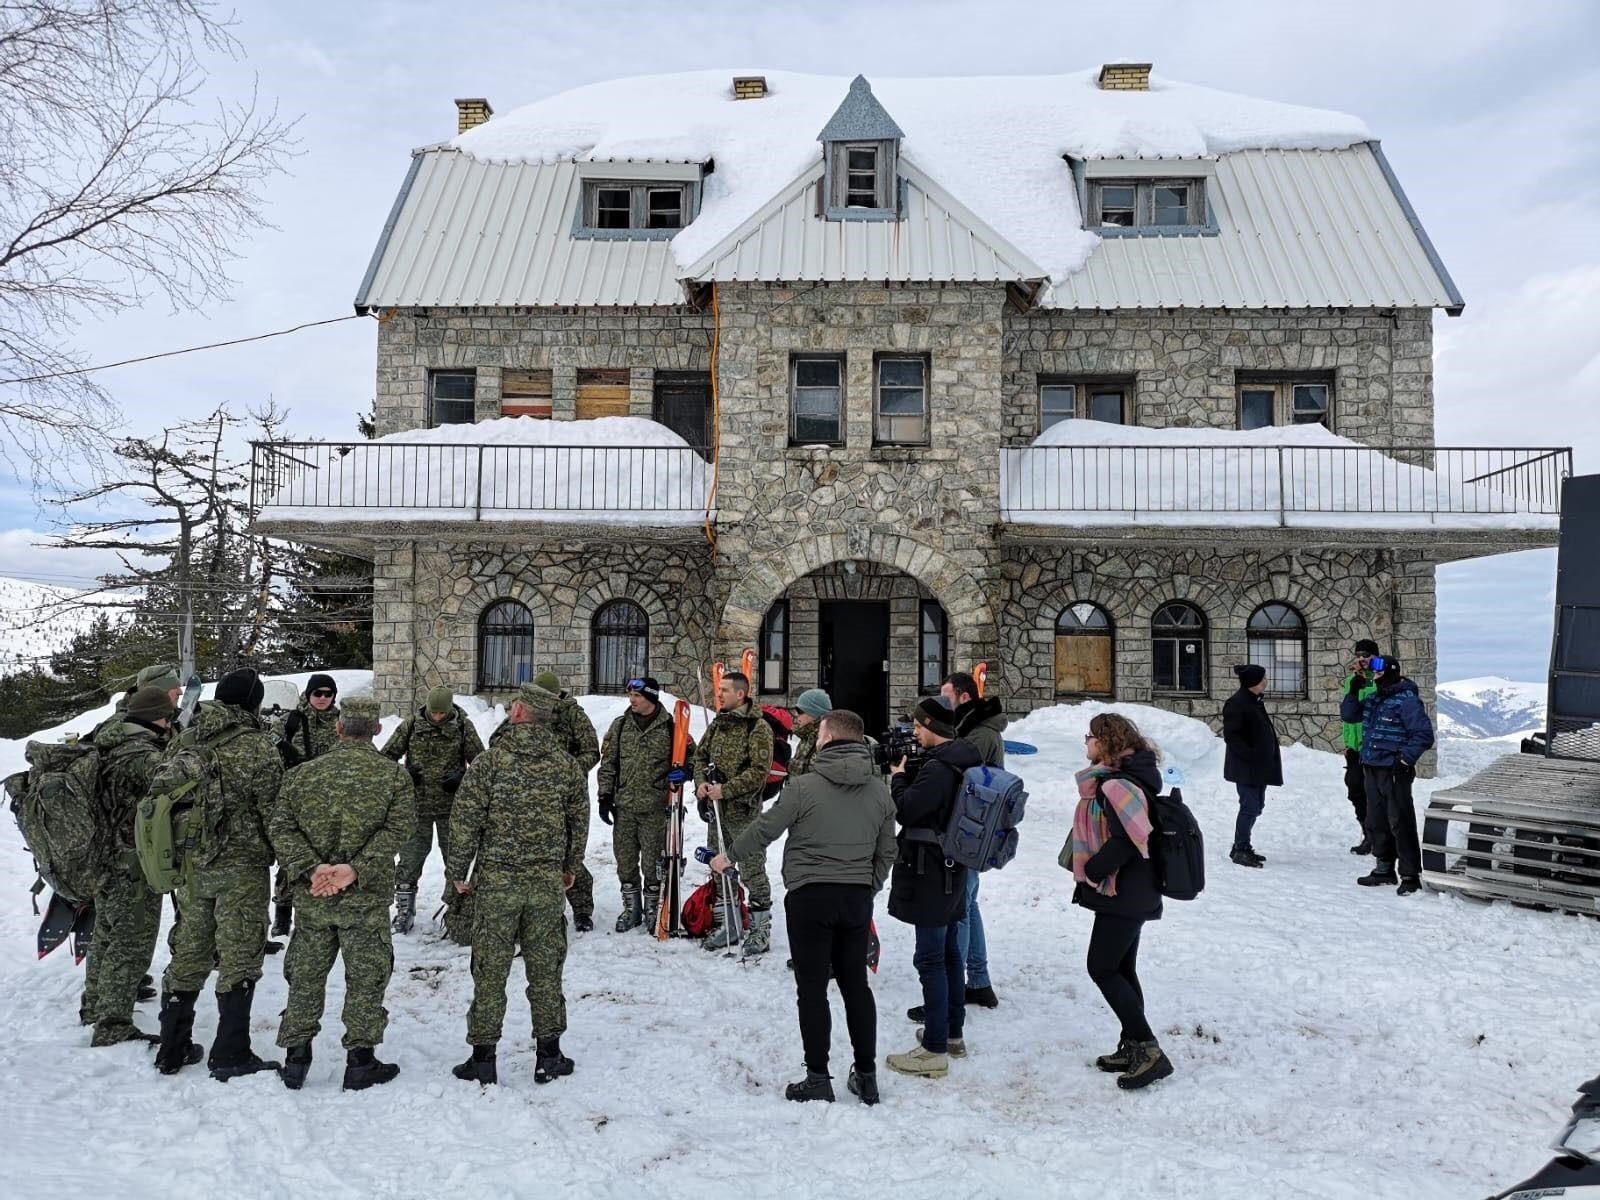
(812, 705)
(738, 745)
(1363, 685)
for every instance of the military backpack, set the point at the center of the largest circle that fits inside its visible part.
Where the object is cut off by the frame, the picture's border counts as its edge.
(183, 813)
(59, 808)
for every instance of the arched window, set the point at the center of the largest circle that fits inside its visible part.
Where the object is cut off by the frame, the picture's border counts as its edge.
(1178, 648)
(621, 646)
(1085, 644)
(933, 647)
(774, 658)
(1276, 636)
(505, 645)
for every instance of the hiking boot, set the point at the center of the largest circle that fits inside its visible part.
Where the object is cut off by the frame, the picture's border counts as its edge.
(550, 1064)
(480, 1068)
(814, 1087)
(405, 909)
(296, 1066)
(1381, 875)
(919, 1013)
(282, 920)
(983, 997)
(1245, 857)
(145, 992)
(177, 1050)
(1409, 886)
(631, 915)
(920, 1061)
(114, 1033)
(955, 1047)
(231, 1055)
(271, 947)
(362, 1070)
(863, 1085)
(1364, 846)
(583, 922)
(1148, 1064)
(1119, 1060)
(759, 939)
(652, 911)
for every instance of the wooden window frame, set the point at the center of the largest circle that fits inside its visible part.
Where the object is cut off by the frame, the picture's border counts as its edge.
(1175, 633)
(794, 387)
(438, 373)
(1144, 202)
(764, 647)
(925, 609)
(508, 631)
(1083, 386)
(1282, 384)
(836, 204)
(639, 629)
(638, 205)
(1109, 633)
(878, 418)
(1280, 635)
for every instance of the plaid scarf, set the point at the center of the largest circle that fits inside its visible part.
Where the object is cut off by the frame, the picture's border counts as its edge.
(1095, 790)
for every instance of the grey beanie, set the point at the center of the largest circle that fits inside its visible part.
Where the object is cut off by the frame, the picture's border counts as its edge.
(814, 702)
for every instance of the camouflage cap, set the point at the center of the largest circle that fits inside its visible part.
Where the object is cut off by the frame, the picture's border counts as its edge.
(161, 675)
(541, 699)
(362, 708)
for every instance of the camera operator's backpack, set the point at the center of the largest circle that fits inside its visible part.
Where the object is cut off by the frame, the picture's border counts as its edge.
(183, 812)
(981, 833)
(1177, 850)
(58, 808)
(782, 726)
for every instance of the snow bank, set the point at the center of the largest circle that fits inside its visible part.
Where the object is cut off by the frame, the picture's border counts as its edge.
(995, 142)
(1096, 473)
(607, 470)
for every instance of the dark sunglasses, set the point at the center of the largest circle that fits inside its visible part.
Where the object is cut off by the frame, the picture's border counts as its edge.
(322, 693)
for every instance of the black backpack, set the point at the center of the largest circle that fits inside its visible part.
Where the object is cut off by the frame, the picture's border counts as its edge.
(1177, 849)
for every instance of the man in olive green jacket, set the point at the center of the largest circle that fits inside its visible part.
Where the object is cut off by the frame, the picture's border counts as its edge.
(738, 745)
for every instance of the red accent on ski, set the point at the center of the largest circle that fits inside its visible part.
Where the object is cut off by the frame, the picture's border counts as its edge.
(980, 673)
(717, 672)
(667, 914)
(747, 664)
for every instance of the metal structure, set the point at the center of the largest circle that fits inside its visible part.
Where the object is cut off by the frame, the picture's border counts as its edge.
(1527, 829)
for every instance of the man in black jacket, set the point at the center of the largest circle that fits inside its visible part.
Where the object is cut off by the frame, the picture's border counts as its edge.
(1253, 762)
(982, 721)
(928, 893)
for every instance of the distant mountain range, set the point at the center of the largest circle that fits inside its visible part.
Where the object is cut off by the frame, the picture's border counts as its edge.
(1490, 707)
(34, 624)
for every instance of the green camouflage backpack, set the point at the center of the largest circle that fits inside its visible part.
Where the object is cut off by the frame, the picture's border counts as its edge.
(58, 807)
(183, 811)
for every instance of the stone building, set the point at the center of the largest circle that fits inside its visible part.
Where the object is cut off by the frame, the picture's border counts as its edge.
(1106, 381)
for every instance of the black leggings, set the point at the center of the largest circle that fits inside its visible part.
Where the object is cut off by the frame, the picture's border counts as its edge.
(1113, 965)
(829, 926)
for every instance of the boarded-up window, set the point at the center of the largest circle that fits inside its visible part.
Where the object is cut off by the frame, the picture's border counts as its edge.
(602, 393)
(1085, 646)
(525, 393)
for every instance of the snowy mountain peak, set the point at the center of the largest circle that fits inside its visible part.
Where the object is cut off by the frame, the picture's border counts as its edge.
(34, 623)
(1489, 706)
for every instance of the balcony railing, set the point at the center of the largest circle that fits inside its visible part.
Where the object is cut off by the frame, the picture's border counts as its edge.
(370, 481)
(1327, 486)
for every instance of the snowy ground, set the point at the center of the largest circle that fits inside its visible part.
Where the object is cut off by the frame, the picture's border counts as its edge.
(1330, 1042)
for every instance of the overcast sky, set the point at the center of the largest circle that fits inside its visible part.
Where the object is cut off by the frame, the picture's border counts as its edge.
(1489, 113)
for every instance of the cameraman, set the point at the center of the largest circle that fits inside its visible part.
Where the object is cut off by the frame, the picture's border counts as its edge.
(980, 721)
(929, 892)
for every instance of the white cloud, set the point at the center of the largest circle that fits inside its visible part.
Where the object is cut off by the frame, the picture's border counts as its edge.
(27, 554)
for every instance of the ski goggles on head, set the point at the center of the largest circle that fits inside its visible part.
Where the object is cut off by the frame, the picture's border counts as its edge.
(644, 689)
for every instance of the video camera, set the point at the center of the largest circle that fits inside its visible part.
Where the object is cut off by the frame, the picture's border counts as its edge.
(894, 744)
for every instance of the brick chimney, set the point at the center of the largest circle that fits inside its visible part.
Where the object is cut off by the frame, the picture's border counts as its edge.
(471, 113)
(749, 87)
(1125, 77)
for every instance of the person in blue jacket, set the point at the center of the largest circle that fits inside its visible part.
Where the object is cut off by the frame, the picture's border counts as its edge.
(1395, 733)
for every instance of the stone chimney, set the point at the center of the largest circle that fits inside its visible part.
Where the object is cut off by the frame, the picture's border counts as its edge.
(749, 87)
(1125, 77)
(472, 113)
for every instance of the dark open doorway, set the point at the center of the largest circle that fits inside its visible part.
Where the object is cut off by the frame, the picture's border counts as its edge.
(854, 637)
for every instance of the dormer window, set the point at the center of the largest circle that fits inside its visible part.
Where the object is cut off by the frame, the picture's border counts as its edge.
(861, 177)
(1146, 204)
(615, 204)
(860, 147)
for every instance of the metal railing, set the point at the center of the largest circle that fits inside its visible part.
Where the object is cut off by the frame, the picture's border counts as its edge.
(1282, 484)
(308, 479)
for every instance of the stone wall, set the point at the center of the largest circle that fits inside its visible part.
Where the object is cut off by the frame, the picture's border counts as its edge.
(1185, 364)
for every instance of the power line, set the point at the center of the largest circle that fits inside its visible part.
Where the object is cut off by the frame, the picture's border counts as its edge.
(126, 362)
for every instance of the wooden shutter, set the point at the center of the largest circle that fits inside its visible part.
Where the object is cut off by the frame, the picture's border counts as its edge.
(1083, 664)
(525, 394)
(602, 393)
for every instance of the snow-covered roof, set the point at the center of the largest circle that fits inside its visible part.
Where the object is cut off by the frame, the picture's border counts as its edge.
(487, 218)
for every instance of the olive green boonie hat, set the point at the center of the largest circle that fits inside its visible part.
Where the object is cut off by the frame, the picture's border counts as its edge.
(541, 699)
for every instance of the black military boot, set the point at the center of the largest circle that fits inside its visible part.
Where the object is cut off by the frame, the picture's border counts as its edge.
(145, 992)
(551, 1063)
(1381, 875)
(231, 1055)
(583, 922)
(177, 1050)
(812, 1087)
(362, 1070)
(479, 1068)
(296, 1066)
(282, 920)
(863, 1085)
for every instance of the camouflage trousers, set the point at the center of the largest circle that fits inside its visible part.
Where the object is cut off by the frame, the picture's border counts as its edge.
(736, 818)
(358, 934)
(581, 894)
(127, 918)
(512, 912)
(223, 925)
(639, 838)
(414, 854)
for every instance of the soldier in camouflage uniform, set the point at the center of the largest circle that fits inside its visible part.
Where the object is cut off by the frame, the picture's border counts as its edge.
(338, 825)
(304, 733)
(812, 705)
(127, 912)
(575, 732)
(739, 745)
(224, 916)
(437, 743)
(520, 824)
(634, 765)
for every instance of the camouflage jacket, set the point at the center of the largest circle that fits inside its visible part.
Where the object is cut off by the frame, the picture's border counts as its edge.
(522, 810)
(251, 771)
(572, 729)
(635, 759)
(304, 733)
(805, 749)
(129, 752)
(439, 752)
(739, 742)
(351, 805)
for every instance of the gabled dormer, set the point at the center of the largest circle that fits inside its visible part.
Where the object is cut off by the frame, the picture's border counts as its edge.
(861, 151)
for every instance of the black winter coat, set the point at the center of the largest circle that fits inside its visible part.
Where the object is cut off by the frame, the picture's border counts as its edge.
(922, 889)
(1253, 757)
(1138, 895)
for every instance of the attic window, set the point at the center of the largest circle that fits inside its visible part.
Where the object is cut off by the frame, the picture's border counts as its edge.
(861, 180)
(861, 177)
(623, 208)
(1154, 204)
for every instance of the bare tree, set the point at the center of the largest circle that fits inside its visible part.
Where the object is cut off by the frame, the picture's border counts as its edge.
(114, 188)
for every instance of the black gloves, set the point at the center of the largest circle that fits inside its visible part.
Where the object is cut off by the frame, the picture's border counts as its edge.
(703, 806)
(451, 782)
(415, 772)
(607, 809)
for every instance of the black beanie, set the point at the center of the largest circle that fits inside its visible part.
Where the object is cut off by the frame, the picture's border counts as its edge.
(935, 715)
(242, 689)
(1368, 646)
(646, 687)
(1250, 674)
(321, 681)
